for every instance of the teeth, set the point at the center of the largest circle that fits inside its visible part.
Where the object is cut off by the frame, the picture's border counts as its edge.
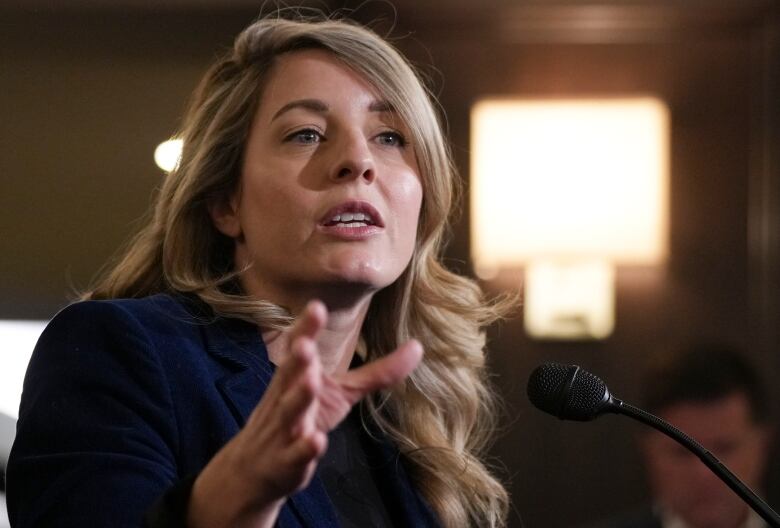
(357, 218)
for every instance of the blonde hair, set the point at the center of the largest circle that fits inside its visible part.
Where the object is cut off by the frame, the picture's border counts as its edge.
(440, 418)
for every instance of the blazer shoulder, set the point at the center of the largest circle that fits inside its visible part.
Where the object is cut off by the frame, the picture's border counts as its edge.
(144, 309)
(98, 417)
(160, 314)
(163, 326)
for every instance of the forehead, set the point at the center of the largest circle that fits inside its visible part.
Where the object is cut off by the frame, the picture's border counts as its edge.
(315, 74)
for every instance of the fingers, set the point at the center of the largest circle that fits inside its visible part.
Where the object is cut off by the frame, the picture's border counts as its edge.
(298, 402)
(302, 442)
(385, 372)
(308, 324)
(278, 449)
(308, 449)
(310, 321)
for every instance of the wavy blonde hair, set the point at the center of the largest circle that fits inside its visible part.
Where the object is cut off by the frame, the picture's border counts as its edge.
(443, 415)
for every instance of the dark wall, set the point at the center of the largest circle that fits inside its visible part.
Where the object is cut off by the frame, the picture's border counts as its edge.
(564, 473)
(716, 67)
(86, 95)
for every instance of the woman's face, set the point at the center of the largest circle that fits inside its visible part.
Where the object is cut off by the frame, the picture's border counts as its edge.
(330, 195)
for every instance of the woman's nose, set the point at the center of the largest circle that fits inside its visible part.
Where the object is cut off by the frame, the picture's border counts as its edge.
(353, 160)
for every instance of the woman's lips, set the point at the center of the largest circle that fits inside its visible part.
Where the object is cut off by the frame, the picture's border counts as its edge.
(352, 220)
(350, 232)
(352, 212)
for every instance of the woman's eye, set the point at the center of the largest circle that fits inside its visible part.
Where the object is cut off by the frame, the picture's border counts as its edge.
(391, 139)
(307, 136)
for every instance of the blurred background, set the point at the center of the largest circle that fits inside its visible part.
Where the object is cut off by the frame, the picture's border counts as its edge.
(89, 88)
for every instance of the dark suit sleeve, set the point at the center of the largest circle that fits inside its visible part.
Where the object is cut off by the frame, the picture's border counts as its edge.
(170, 510)
(97, 437)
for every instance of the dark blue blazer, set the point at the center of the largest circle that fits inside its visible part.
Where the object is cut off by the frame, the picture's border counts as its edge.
(124, 399)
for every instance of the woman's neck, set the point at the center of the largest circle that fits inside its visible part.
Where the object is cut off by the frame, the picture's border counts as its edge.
(337, 342)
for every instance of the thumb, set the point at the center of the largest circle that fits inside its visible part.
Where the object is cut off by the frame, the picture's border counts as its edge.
(384, 372)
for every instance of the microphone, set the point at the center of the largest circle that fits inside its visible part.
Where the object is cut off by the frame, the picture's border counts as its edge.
(572, 393)
(568, 392)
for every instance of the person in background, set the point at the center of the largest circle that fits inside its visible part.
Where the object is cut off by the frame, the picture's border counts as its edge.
(281, 345)
(714, 395)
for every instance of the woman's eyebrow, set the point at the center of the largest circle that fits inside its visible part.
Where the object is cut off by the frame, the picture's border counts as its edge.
(315, 105)
(318, 106)
(381, 106)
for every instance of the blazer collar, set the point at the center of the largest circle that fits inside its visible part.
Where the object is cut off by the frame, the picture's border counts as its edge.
(239, 346)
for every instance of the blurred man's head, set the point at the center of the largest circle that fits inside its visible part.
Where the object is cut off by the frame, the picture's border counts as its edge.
(712, 394)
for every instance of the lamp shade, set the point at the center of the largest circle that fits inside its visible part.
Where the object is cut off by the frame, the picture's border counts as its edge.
(569, 178)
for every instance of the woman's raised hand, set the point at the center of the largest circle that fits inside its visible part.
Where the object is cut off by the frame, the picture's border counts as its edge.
(277, 451)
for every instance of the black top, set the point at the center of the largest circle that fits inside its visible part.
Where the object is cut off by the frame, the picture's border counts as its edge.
(350, 470)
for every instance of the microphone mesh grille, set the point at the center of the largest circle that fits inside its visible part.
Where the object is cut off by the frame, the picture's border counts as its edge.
(568, 392)
(545, 383)
(587, 397)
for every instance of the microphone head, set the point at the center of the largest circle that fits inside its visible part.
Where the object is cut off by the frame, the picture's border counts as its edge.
(568, 392)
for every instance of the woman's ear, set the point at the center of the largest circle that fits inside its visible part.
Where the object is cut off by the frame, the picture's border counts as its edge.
(224, 214)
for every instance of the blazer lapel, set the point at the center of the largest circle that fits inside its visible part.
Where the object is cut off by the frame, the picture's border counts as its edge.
(238, 346)
(313, 507)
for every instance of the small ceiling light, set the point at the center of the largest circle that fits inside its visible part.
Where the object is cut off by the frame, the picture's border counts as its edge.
(167, 154)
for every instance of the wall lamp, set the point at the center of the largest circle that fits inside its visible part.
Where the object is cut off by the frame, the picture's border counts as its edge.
(568, 189)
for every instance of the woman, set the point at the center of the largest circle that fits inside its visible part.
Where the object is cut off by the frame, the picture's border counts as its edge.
(291, 257)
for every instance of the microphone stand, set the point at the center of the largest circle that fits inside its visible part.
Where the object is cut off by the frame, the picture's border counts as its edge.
(618, 406)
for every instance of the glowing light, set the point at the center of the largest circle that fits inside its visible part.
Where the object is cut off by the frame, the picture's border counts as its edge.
(569, 299)
(568, 181)
(569, 177)
(167, 154)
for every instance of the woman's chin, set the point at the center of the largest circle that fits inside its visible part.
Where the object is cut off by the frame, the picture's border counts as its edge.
(366, 274)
